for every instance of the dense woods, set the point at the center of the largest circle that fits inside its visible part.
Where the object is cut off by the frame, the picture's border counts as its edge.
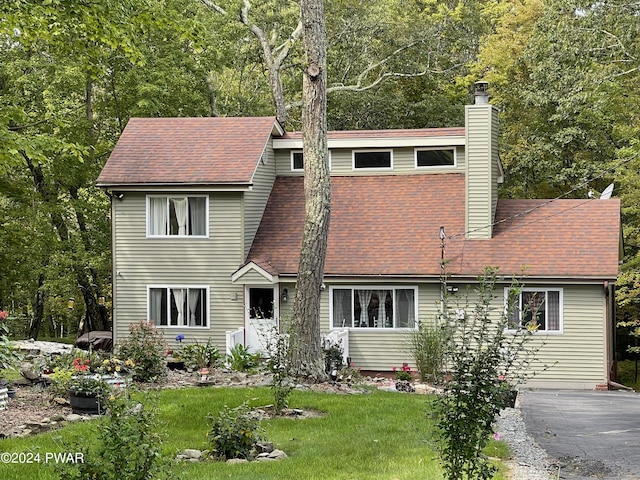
(564, 74)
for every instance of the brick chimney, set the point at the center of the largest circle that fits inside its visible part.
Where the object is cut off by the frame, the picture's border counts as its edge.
(483, 168)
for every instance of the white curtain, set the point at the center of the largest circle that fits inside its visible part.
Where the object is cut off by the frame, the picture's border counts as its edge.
(194, 296)
(178, 299)
(197, 212)
(155, 306)
(553, 310)
(382, 316)
(180, 207)
(365, 298)
(158, 211)
(341, 299)
(405, 308)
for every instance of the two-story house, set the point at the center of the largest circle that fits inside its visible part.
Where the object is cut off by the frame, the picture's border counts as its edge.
(207, 217)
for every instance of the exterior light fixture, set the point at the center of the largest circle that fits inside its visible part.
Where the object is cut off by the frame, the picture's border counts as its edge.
(285, 295)
(70, 303)
(101, 300)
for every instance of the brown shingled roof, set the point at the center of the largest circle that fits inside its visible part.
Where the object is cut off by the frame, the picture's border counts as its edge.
(389, 226)
(196, 151)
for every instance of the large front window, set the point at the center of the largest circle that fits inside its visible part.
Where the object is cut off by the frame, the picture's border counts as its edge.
(537, 310)
(176, 215)
(366, 307)
(179, 306)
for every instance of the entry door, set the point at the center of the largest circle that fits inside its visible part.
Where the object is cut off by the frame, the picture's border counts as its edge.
(261, 317)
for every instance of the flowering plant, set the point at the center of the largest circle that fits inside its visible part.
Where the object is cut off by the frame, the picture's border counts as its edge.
(404, 373)
(89, 384)
(116, 366)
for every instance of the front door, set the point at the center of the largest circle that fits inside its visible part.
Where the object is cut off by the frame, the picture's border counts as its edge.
(261, 317)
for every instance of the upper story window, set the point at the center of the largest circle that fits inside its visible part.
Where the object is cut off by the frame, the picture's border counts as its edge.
(537, 310)
(366, 307)
(435, 157)
(374, 159)
(177, 216)
(297, 161)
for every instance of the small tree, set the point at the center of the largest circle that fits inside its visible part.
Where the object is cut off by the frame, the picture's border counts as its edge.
(485, 362)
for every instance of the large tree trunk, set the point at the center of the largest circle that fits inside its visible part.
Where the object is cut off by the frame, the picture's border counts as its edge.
(307, 353)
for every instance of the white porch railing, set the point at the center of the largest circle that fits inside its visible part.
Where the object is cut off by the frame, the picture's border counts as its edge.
(234, 338)
(339, 337)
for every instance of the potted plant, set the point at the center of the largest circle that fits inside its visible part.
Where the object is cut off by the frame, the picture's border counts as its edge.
(11, 389)
(87, 394)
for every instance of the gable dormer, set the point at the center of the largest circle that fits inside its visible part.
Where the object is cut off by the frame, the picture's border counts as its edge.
(483, 169)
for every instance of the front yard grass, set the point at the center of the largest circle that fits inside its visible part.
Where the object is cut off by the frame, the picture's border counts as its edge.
(379, 435)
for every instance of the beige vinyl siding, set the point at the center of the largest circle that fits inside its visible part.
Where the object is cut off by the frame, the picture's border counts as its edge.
(380, 350)
(342, 163)
(495, 162)
(142, 261)
(576, 357)
(255, 200)
(481, 188)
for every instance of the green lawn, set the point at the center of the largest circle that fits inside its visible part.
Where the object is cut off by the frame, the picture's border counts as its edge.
(380, 435)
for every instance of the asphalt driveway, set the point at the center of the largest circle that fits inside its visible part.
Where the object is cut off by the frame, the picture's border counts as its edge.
(588, 434)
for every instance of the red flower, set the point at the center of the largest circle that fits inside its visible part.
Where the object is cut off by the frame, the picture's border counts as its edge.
(81, 365)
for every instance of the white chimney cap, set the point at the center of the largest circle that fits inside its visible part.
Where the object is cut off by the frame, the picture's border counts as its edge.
(481, 93)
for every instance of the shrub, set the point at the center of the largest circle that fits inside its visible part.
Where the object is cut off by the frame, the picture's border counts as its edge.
(482, 358)
(235, 432)
(333, 356)
(196, 356)
(146, 347)
(350, 374)
(8, 357)
(427, 346)
(128, 447)
(241, 359)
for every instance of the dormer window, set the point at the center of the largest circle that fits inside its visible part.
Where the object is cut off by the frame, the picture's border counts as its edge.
(372, 159)
(297, 161)
(435, 157)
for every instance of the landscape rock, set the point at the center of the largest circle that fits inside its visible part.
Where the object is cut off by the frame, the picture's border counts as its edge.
(264, 447)
(29, 371)
(277, 454)
(237, 460)
(192, 453)
(73, 417)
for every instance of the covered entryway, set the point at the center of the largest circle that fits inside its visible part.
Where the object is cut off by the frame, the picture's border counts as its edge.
(261, 317)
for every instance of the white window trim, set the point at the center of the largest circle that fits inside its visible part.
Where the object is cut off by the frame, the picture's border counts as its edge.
(560, 330)
(434, 167)
(372, 169)
(181, 195)
(177, 327)
(300, 170)
(375, 287)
